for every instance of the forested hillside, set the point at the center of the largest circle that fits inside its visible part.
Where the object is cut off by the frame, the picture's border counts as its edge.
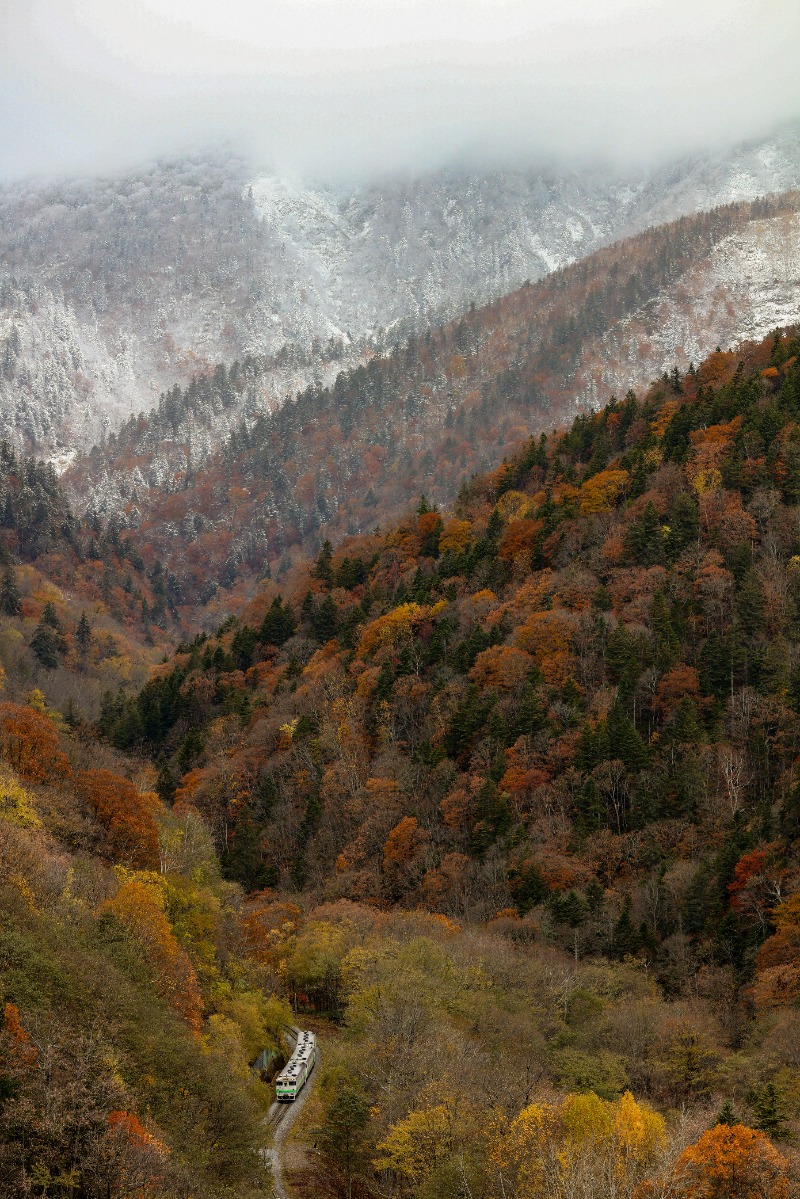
(130, 1004)
(351, 456)
(114, 289)
(80, 611)
(515, 786)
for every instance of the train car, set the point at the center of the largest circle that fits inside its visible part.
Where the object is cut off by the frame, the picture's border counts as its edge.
(294, 1075)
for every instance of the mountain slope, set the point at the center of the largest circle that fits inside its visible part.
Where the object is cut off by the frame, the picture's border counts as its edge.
(595, 654)
(114, 290)
(345, 458)
(514, 793)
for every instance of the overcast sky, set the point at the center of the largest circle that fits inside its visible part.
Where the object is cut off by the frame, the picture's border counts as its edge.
(357, 87)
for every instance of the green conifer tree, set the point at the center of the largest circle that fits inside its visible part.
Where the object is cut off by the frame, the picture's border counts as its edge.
(279, 623)
(323, 567)
(727, 1114)
(10, 601)
(771, 1113)
(750, 604)
(644, 539)
(83, 635)
(326, 619)
(625, 939)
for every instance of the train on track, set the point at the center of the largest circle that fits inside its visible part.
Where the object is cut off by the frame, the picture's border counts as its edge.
(293, 1076)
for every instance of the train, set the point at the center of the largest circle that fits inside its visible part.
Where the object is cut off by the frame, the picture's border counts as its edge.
(294, 1075)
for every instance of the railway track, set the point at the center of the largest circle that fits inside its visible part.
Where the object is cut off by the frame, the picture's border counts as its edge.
(278, 1121)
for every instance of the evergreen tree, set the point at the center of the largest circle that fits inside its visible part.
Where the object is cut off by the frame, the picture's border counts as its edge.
(10, 601)
(308, 608)
(342, 1133)
(166, 786)
(45, 645)
(590, 814)
(625, 939)
(569, 909)
(83, 635)
(530, 716)
(467, 722)
(323, 567)
(326, 619)
(624, 742)
(750, 604)
(715, 667)
(47, 641)
(50, 617)
(727, 1114)
(601, 599)
(279, 623)
(9, 514)
(790, 814)
(684, 523)
(771, 1113)
(644, 539)
(664, 633)
(242, 646)
(243, 861)
(527, 886)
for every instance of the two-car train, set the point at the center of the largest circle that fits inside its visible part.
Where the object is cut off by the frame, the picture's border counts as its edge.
(293, 1076)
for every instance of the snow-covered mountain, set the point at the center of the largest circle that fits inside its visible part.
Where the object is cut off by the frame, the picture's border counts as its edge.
(748, 286)
(442, 407)
(410, 253)
(113, 290)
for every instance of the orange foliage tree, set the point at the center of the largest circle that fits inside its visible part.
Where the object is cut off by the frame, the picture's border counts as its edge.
(126, 814)
(519, 538)
(404, 843)
(20, 1052)
(778, 964)
(29, 742)
(732, 1162)
(682, 682)
(501, 667)
(139, 907)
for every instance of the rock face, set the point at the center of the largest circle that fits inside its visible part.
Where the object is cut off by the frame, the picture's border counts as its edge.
(113, 290)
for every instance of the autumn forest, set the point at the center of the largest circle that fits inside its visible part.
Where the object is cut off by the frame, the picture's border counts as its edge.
(490, 777)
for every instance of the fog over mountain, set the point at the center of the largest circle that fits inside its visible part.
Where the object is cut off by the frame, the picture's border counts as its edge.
(353, 88)
(115, 289)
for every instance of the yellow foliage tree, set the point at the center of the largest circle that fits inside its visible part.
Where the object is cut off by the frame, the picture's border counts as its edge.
(524, 1153)
(550, 1147)
(456, 536)
(392, 628)
(419, 1143)
(16, 804)
(601, 492)
(512, 504)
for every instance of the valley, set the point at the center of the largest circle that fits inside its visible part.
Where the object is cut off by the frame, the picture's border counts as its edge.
(400, 642)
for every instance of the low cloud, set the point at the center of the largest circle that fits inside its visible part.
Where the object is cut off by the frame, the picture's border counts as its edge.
(356, 88)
